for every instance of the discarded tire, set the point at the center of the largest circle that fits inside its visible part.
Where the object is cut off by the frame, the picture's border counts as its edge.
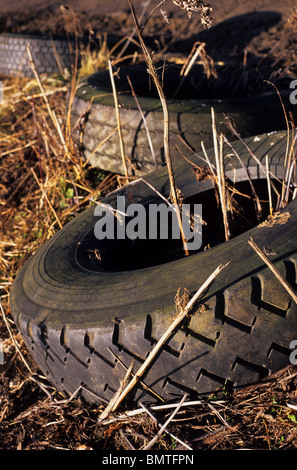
(72, 310)
(51, 55)
(190, 118)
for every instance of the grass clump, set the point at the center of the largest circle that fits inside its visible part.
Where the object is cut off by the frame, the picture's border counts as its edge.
(44, 184)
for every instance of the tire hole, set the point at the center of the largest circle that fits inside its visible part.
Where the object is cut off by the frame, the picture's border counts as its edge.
(128, 253)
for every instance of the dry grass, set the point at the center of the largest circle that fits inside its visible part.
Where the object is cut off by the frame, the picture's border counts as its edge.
(44, 183)
(43, 180)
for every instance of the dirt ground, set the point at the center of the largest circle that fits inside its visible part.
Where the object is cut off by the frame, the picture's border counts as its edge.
(259, 36)
(43, 10)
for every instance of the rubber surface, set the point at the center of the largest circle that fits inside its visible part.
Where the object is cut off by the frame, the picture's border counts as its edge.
(47, 54)
(190, 117)
(70, 309)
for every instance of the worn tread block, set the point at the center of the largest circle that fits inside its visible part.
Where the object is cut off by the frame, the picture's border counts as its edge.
(72, 312)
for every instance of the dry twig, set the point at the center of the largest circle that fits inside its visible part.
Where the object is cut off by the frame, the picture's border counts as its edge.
(124, 160)
(166, 118)
(167, 334)
(163, 428)
(220, 174)
(275, 271)
(50, 111)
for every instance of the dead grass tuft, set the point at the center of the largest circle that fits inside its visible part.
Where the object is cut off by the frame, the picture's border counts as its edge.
(44, 183)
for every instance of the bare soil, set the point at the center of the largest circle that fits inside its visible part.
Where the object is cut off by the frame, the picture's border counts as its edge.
(256, 38)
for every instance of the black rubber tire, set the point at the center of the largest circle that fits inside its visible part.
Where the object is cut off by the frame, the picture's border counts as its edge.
(46, 53)
(189, 118)
(70, 311)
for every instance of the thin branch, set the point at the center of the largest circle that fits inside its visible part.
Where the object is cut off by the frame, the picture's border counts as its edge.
(269, 186)
(100, 145)
(146, 387)
(118, 122)
(263, 167)
(12, 338)
(255, 196)
(168, 406)
(144, 122)
(114, 399)
(220, 174)
(167, 334)
(163, 428)
(50, 111)
(275, 271)
(48, 201)
(154, 75)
